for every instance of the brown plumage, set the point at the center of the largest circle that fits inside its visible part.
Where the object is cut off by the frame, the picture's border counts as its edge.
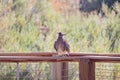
(44, 30)
(61, 46)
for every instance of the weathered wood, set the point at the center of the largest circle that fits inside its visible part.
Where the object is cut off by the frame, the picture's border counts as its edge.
(64, 70)
(60, 71)
(29, 54)
(58, 59)
(18, 71)
(60, 67)
(53, 53)
(96, 54)
(57, 71)
(36, 59)
(102, 58)
(86, 70)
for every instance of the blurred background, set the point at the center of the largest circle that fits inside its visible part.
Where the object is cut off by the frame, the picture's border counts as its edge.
(32, 25)
(91, 26)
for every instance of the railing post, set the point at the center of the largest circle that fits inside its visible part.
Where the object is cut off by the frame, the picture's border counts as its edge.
(64, 70)
(86, 70)
(17, 71)
(60, 71)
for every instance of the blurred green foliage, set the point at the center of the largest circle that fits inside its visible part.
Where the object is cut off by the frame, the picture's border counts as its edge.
(21, 22)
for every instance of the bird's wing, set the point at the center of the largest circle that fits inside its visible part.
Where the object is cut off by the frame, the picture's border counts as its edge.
(66, 46)
(55, 45)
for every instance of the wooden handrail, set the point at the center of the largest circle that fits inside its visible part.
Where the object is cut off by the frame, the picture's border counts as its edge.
(86, 61)
(29, 54)
(37, 59)
(58, 59)
(48, 57)
(54, 53)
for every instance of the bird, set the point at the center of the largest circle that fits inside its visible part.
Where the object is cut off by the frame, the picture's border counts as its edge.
(61, 46)
(44, 30)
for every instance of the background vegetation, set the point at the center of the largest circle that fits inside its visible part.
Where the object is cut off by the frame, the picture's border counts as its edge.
(22, 23)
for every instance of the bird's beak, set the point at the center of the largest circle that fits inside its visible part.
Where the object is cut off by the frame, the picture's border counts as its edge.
(64, 34)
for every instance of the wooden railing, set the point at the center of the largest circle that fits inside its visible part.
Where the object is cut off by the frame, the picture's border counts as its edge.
(86, 62)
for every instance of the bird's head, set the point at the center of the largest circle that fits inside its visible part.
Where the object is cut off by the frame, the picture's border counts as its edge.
(60, 34)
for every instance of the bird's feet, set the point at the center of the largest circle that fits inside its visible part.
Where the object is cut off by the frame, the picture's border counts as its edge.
(62, 55)
(65, 55)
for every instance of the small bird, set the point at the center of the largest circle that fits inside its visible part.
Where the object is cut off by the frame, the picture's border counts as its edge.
(44, 30)
(61, 46)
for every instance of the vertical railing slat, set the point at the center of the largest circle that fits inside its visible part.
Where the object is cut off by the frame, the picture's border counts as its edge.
(60, 71)
(18, 71)
(86, 70)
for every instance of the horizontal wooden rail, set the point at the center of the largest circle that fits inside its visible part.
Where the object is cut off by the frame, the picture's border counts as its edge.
(58, 59)
(53, 53)
(37, 59)
(86, 62)
(29, 54)
(49, 57)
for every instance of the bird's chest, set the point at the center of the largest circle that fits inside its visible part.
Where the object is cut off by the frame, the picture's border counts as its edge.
(60, 45)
